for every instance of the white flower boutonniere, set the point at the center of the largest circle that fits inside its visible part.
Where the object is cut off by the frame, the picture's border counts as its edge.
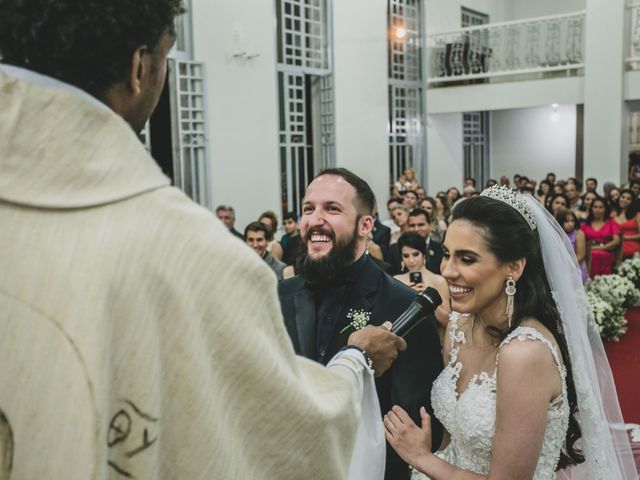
(359, 319)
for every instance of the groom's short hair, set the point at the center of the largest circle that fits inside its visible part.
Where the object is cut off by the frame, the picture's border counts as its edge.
(365, 199)
(85, 43)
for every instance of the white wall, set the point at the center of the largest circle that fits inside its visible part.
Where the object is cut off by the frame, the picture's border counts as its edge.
(360, 88)
(500, 96)
(605, 131)
(445, 15)
(527, 142)
(444, 142)
(540, 8)
(242, 108)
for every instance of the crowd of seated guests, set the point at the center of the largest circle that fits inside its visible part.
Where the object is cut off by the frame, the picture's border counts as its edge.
(603, 226)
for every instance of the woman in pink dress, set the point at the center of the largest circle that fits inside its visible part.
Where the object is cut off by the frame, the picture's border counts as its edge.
(603, 233)
(628, 217)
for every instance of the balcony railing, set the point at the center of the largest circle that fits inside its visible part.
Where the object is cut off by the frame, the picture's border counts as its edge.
(633, 60)
(538, 45)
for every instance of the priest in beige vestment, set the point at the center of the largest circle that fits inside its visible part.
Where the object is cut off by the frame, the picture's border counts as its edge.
(138, 338)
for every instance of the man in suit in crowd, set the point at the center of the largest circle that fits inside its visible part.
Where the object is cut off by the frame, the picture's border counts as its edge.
(339, 289)
(290, 241)
(381, 234)
(255, 235)
(420, 222)
(227, 215)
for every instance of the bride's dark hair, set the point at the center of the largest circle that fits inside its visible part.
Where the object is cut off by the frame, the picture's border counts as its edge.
(509, 237)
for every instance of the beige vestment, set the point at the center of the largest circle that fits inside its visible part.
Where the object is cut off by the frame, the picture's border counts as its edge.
(138, 338)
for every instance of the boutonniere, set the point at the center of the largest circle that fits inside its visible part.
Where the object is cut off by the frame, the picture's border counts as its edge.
(431, 253)
(359, 319)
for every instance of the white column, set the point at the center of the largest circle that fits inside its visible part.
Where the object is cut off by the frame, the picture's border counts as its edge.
(237, 40)
(361, 110)
(604, 153)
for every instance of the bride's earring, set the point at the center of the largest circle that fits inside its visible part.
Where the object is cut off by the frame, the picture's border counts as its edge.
(510, 290)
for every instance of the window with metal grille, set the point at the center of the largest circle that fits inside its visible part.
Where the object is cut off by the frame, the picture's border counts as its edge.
(406, 133)
(176, 134)
(305, 84)
(191, 171)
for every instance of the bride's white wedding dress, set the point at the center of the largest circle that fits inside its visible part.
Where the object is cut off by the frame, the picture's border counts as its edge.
(470, 417)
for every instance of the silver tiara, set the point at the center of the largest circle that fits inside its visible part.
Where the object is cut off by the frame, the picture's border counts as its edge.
(513, 199)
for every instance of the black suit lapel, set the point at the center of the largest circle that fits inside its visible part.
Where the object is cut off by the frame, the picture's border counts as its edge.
(306, 323)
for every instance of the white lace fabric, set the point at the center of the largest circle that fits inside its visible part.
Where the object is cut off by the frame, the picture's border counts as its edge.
(470, 417)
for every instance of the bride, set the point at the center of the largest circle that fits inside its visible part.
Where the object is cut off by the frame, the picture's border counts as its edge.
(527, 390)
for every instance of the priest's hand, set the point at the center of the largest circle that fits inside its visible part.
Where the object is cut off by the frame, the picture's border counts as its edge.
(380, 345)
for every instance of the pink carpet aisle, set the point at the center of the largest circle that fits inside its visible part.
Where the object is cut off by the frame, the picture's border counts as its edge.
(624, 357)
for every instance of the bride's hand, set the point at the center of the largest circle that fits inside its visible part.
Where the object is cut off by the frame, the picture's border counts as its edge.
(407, 439)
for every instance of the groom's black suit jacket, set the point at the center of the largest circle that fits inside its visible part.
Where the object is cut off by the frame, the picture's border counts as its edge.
(366, 287)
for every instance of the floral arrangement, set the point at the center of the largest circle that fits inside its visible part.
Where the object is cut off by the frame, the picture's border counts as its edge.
(617, 290)
(609, 318)
(630, 269)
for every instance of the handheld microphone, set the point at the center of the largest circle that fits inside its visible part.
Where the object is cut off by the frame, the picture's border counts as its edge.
(425, 303)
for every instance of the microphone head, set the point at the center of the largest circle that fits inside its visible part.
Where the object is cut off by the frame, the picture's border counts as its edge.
(429, 298)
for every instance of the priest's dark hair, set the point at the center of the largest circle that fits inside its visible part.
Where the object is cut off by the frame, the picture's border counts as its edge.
(365, 199)
(86, 43)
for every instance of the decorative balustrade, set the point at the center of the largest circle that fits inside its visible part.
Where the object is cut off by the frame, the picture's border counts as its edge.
(538, 45)
(633, 60)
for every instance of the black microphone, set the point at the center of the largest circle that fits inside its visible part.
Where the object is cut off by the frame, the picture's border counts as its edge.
(425, 303)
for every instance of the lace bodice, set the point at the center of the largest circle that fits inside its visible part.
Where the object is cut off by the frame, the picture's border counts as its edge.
(470, 417)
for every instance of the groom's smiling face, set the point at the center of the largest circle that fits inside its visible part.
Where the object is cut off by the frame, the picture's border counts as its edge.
(329, 215)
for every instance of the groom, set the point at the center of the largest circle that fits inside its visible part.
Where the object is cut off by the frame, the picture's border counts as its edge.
(339, 289)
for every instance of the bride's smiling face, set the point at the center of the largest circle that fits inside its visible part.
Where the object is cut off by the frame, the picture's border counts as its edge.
(475, 276)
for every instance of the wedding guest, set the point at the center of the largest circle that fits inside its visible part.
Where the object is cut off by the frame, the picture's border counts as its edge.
(573, 194)
(420, 222)
(410, 200)
(381, 234)
(290, 241)
(544, 189)
(612, 199)
(527, 390)
(227, 215)
(420, 191)
(255, 235)
(587, 199)
(406, 181)
(569, 223)
(627, 215)
(270, 219)
(603, 235)
(454, 195)
(469, 191)
(400, 216)
(439, 226)
(413, 252)
(591, 184)
(443, 207)
(338, 288)
(634, 186)
(551, 178)
(557, 202)
(491, 182)
(606, 188)
(559, 187)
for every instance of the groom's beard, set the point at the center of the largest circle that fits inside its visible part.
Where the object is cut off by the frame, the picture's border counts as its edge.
(330, 268)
